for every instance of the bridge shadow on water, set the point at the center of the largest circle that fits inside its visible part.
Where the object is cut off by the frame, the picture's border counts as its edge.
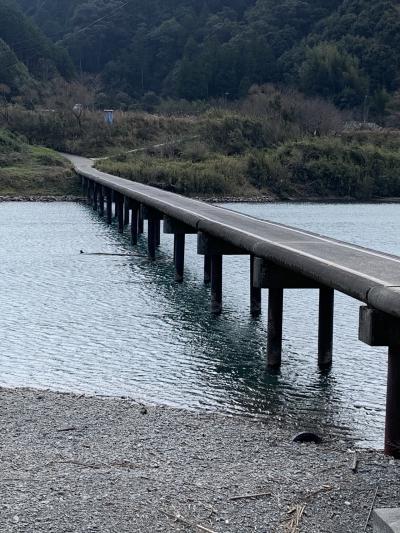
(228, 353)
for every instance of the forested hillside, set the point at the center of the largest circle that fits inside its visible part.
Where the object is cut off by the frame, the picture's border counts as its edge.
(27, 56)
(345, 50)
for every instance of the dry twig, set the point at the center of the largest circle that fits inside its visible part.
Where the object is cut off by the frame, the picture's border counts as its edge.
(179, 518)
(246, 496)
(370, 509)
(292, 525)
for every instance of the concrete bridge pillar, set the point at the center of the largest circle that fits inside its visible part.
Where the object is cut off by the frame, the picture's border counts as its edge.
(108, 193)
(101, 200)
(325, 327)
(127, 207)
(95, 195)
(255, 292)
(213, 250)
(276, 278)
(207, 269)
(275, 323)
(89, 191)
(153, 232)
(179, 230)
(141, 220)
(134, 221)
(379, 329)
(119, 210)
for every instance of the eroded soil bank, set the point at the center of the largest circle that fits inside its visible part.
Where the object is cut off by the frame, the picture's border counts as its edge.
(73, 463)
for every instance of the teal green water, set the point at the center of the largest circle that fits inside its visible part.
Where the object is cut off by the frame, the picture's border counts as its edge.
(119, 325)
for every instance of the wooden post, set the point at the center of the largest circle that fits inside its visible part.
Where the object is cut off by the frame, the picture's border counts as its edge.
(275, 319)
(255, 292)
(325, 327)
(216, 284)
(101, 200)
(109, 205)
(134, 222)
(179, 247)
(207, 269)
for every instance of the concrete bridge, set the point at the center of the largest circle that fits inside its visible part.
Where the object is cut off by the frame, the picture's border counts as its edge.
(280, 257)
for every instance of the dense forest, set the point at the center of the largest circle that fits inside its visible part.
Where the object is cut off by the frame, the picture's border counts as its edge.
(347, 51)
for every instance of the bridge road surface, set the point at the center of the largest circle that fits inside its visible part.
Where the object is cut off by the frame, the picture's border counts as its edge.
(367, 275)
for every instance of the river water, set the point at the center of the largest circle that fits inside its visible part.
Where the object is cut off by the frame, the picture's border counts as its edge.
(118, 325)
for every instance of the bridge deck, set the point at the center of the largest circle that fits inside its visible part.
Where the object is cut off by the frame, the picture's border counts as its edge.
(367, 275)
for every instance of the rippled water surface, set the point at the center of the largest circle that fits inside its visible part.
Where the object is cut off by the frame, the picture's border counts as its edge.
(119, 325)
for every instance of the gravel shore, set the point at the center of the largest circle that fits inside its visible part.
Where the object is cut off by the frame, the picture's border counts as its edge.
(73, 463)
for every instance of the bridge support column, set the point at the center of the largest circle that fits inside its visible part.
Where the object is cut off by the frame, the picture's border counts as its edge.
(108, 193)
(267, 275)
(89, 191)
(95, 196)
(140, 220)
(179, 256)
(213, 250)
(255, 292)
(207, 269)
(379, 329)
(179, 230)
(158, 232)
(119, 208)
(325, 327)
(101, 200)
(127, 207)
(275, 321)
(153, 222)
(216, 284)
(134, 222)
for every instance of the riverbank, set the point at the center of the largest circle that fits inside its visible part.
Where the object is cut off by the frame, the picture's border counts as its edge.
(110, 465)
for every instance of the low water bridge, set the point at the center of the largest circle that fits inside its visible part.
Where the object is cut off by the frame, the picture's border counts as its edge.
(281, 258)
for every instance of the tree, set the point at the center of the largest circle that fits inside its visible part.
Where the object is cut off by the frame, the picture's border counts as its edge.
(333, 74)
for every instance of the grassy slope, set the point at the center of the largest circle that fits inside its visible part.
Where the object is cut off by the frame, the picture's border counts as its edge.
(33, 171)
(359, 166)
